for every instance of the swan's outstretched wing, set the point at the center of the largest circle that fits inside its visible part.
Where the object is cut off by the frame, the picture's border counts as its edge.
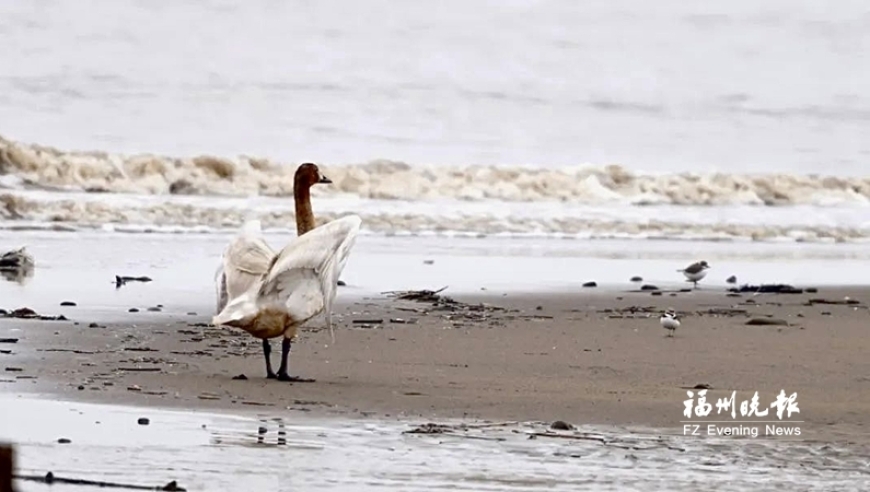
(245, 261)
(304, 275)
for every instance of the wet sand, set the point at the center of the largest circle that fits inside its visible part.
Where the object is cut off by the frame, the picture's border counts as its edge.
(588, 357)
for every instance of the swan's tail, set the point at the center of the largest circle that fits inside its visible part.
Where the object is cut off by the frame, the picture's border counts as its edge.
(236, 311)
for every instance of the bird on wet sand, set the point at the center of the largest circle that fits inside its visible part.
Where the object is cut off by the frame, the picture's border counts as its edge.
(695, 272)
(670, 322)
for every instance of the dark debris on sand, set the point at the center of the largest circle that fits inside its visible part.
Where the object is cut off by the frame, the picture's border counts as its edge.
(456, 311)
(51, 478)
(27, 313)
(122, 280)
(767, 289)
(418, 295)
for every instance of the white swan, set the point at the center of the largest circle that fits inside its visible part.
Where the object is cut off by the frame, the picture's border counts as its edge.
(248, 256)
(300, 283)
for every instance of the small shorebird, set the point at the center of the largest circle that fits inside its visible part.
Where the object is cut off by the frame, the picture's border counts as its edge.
(670, 322)
(695, 272)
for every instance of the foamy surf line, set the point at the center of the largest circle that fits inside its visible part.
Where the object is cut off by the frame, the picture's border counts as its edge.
(25, 165)
(75, 211)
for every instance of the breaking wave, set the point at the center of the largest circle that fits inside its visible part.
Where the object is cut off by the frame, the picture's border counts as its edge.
(41, 188)
(30, 166)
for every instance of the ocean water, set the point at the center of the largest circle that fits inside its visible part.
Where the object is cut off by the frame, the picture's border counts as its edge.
(626, 119)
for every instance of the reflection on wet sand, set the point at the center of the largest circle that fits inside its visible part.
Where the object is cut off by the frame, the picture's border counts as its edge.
(201, 451)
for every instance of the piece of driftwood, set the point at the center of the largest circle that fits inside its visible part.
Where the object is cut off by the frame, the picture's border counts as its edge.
(840, 302)
(50, 478)
(767, 322)
(7, 467)
(122, 280)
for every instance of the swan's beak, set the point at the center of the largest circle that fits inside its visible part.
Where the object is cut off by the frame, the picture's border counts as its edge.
(324, 180)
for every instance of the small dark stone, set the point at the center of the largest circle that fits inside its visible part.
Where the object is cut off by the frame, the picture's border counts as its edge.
(240, 377)
(191, 313)
(590, 284)
(561, 425)
(63, 440)
(81, 388)
(93, 325)
(702, 386)
(143, 421)
(261, 430)
(154, 309)
(656, 293)
(133, 310)
(648, 287)
(539, 308)
(636, 279)
(67, 303)
(812, 290)
(341, 283)
(49, 478)
(731, 280)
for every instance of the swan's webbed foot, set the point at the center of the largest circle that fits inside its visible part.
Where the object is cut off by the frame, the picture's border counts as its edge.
(283, 375)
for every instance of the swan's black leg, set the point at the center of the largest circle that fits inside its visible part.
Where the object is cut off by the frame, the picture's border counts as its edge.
(282, 371)
(267, 352)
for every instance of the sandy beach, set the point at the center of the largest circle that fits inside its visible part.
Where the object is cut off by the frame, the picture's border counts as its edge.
(587, 357)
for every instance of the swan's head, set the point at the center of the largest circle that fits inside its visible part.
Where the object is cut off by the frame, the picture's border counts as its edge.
(309, 175)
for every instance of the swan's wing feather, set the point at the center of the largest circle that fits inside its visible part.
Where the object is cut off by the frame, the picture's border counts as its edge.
(296, 291)
(304, 275)
(245, 261)
(249, 255)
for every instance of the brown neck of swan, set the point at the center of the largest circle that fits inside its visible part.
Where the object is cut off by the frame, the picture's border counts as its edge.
(304, 215)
